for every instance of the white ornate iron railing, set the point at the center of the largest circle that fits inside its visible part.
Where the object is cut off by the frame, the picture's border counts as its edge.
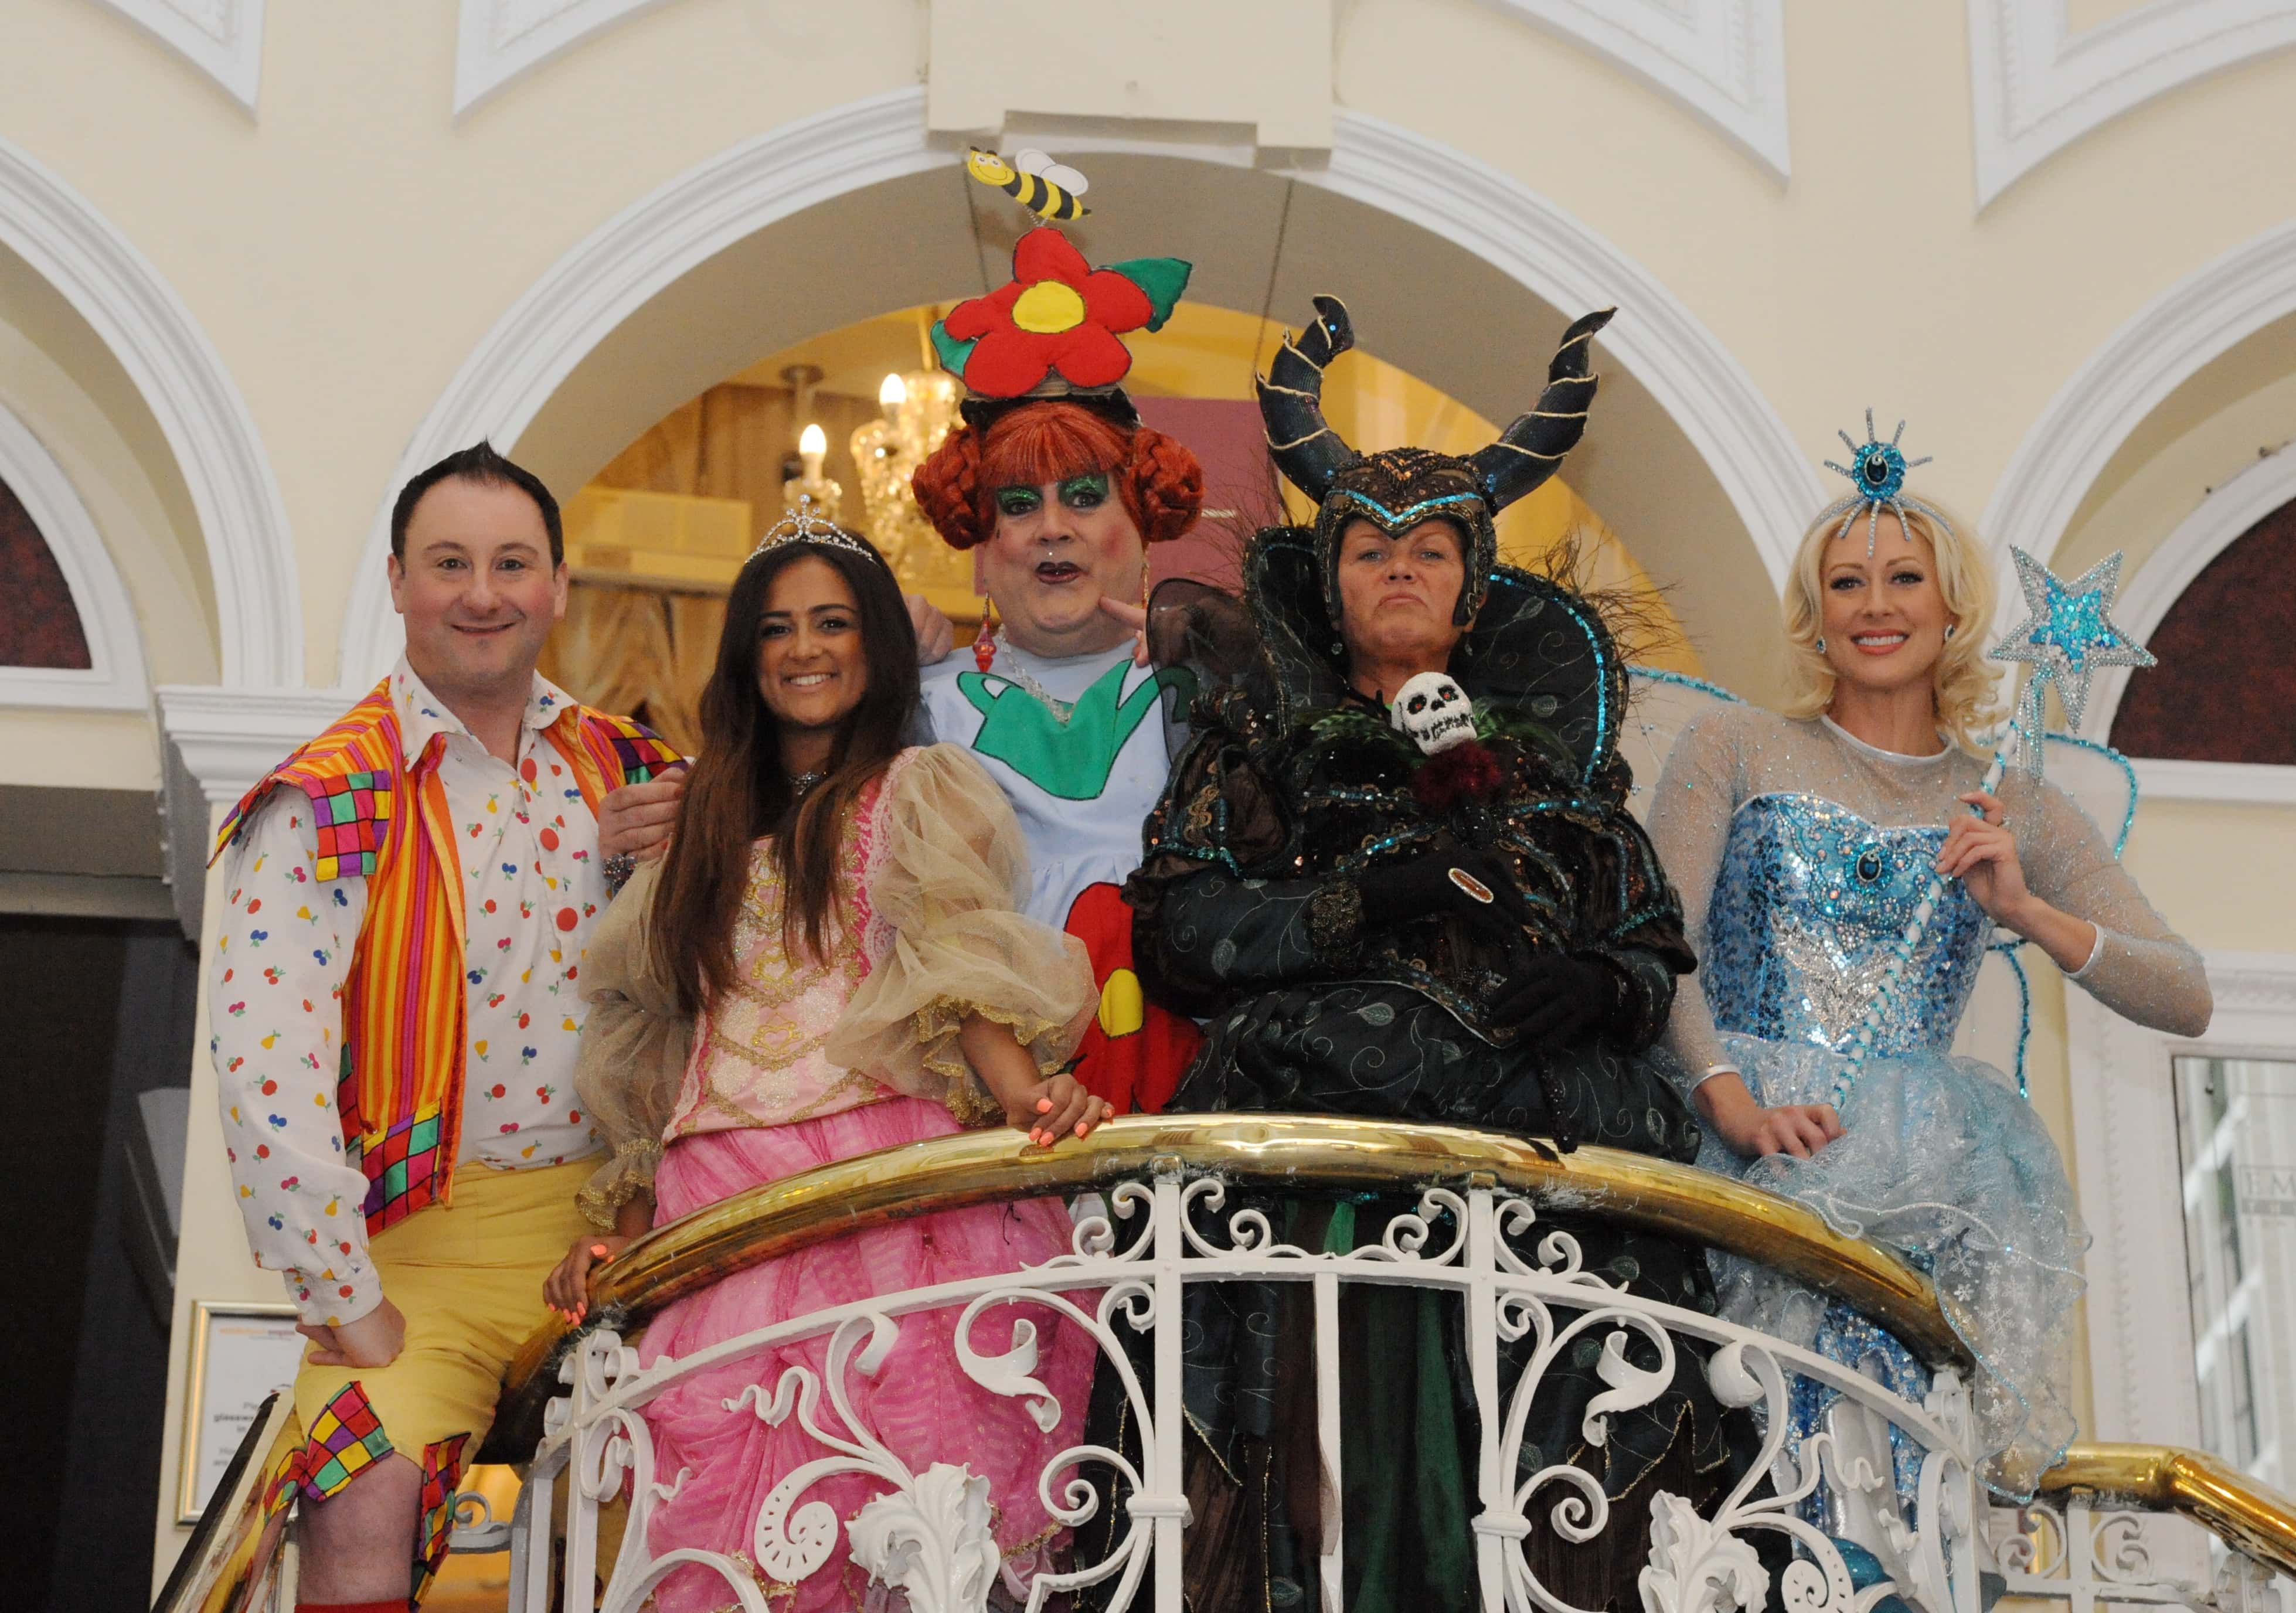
(1477, 1219)
(2148, 1526)
(1170, 1217)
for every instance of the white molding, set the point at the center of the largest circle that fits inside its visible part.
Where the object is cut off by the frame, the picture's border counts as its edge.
(1745, 443)
(2035, 87)
(537, 343)
(223, 38)
(114, 678)
(218, 741)
(497, 40)
(2200, 317)
(2244, 784)
(1723, 60)
(2228, 511)
(205, 421)
(2140, 1332)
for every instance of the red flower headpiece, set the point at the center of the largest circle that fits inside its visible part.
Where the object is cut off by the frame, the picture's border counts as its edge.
(1058, 318)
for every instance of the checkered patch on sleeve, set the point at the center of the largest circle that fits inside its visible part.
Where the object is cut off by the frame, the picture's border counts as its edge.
(346, 1440)
(641, 754)
(352, 814)
(401, 1168)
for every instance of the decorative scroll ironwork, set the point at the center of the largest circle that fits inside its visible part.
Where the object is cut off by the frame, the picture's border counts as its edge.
(926, 1532)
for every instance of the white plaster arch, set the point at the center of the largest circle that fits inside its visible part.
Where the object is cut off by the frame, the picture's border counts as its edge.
(2146, 598)
(2212, 528)
(115, 679)
(182, 380)
(2036, 85)
(2065, 450)
(540, 341)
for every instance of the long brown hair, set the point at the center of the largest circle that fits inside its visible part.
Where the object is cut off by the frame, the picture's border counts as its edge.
(741, 792)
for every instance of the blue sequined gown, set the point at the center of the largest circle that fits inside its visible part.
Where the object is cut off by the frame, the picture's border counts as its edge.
(1801, 852)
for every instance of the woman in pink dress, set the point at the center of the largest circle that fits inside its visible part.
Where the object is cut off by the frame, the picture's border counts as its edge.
(828, 961)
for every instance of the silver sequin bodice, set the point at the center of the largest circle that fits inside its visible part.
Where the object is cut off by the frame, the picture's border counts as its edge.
(1807, 906)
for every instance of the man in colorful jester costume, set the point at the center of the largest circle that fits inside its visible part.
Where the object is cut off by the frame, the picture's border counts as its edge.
(1055, 486)
(1395, 872)
(396, 1006)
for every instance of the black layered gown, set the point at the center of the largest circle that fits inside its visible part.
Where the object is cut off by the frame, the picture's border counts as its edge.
(1394, 1026)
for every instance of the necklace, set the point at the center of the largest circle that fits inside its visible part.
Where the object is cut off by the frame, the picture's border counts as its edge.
(804, 783)
(984, 653)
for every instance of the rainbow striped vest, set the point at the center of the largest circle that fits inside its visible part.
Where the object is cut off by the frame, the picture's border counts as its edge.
(399, 1093)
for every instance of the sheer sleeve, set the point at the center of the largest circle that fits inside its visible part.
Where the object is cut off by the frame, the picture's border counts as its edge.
(948, 876)
(1698, 791)
(2143, 971)
(635, 1046)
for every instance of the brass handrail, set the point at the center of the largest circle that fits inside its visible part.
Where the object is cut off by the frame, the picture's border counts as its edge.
(2166, 1479)
(1298, 1151)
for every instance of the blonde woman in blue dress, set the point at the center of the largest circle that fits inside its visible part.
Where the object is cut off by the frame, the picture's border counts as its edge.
(1801, 842)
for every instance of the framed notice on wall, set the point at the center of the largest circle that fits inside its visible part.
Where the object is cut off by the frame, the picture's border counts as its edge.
(240, 1353)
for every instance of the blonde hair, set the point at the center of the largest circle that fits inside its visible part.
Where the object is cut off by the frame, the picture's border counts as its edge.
(1963, 683)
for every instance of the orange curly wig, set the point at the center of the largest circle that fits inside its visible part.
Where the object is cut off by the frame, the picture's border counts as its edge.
(1157, 478)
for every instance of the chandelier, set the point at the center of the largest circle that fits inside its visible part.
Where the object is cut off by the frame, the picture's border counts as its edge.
(918, 409)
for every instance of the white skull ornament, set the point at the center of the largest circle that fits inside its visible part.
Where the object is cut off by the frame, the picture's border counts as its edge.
(1434, 711)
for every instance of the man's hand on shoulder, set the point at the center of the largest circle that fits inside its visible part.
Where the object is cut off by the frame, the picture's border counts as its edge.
(374, 1339)
(935, 637)
(637, 818)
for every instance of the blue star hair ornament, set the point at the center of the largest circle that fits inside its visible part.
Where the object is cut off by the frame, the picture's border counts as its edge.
(1877, 469)
(2067, 636)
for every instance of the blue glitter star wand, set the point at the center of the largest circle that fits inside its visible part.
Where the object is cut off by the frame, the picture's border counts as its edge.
(2068, 636)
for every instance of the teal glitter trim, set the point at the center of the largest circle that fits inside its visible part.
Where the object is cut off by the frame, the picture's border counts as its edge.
(1410, 511)
(1683, 680)
(2127, 768)
(2009, 950)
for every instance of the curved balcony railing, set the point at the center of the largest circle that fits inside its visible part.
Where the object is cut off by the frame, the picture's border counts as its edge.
(2102, 1531)
(1167, 1222)
(2112, 1525)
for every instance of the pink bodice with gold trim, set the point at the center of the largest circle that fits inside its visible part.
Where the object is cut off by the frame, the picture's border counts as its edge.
(759, 1058)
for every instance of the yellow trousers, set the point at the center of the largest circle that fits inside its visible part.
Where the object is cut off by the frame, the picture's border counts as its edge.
(467, 1276)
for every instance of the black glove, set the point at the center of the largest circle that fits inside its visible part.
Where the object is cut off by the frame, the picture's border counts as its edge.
(1558, 997)
(1454, 882)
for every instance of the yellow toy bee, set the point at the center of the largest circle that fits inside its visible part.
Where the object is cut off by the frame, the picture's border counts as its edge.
(1048, 189)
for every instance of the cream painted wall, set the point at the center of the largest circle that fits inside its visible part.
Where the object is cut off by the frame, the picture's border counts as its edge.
(2163, 479)
(84, 750)
(158, 555)
(1866, 279)
(346, 247)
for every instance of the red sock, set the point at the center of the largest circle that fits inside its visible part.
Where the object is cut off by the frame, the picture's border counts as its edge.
(388, 1604)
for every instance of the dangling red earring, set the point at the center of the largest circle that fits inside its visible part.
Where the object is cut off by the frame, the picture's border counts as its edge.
(984, 643)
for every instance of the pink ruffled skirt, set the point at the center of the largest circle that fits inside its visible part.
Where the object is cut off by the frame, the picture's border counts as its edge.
(919, 1404)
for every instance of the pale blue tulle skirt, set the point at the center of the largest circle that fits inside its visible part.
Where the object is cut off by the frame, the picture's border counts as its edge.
(1945, 1164)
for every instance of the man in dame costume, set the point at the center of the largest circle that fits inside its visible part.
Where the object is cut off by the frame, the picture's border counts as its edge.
(1055, 486)
(396, 1007)
(1461, 923)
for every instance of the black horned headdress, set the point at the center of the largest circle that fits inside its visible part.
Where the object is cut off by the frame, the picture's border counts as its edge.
(1399, 488)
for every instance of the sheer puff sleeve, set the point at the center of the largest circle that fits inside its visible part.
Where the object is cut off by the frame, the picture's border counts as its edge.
(635, 1046)
(948, 878)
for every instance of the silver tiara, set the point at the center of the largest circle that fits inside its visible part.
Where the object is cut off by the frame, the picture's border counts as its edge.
(803, 525)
